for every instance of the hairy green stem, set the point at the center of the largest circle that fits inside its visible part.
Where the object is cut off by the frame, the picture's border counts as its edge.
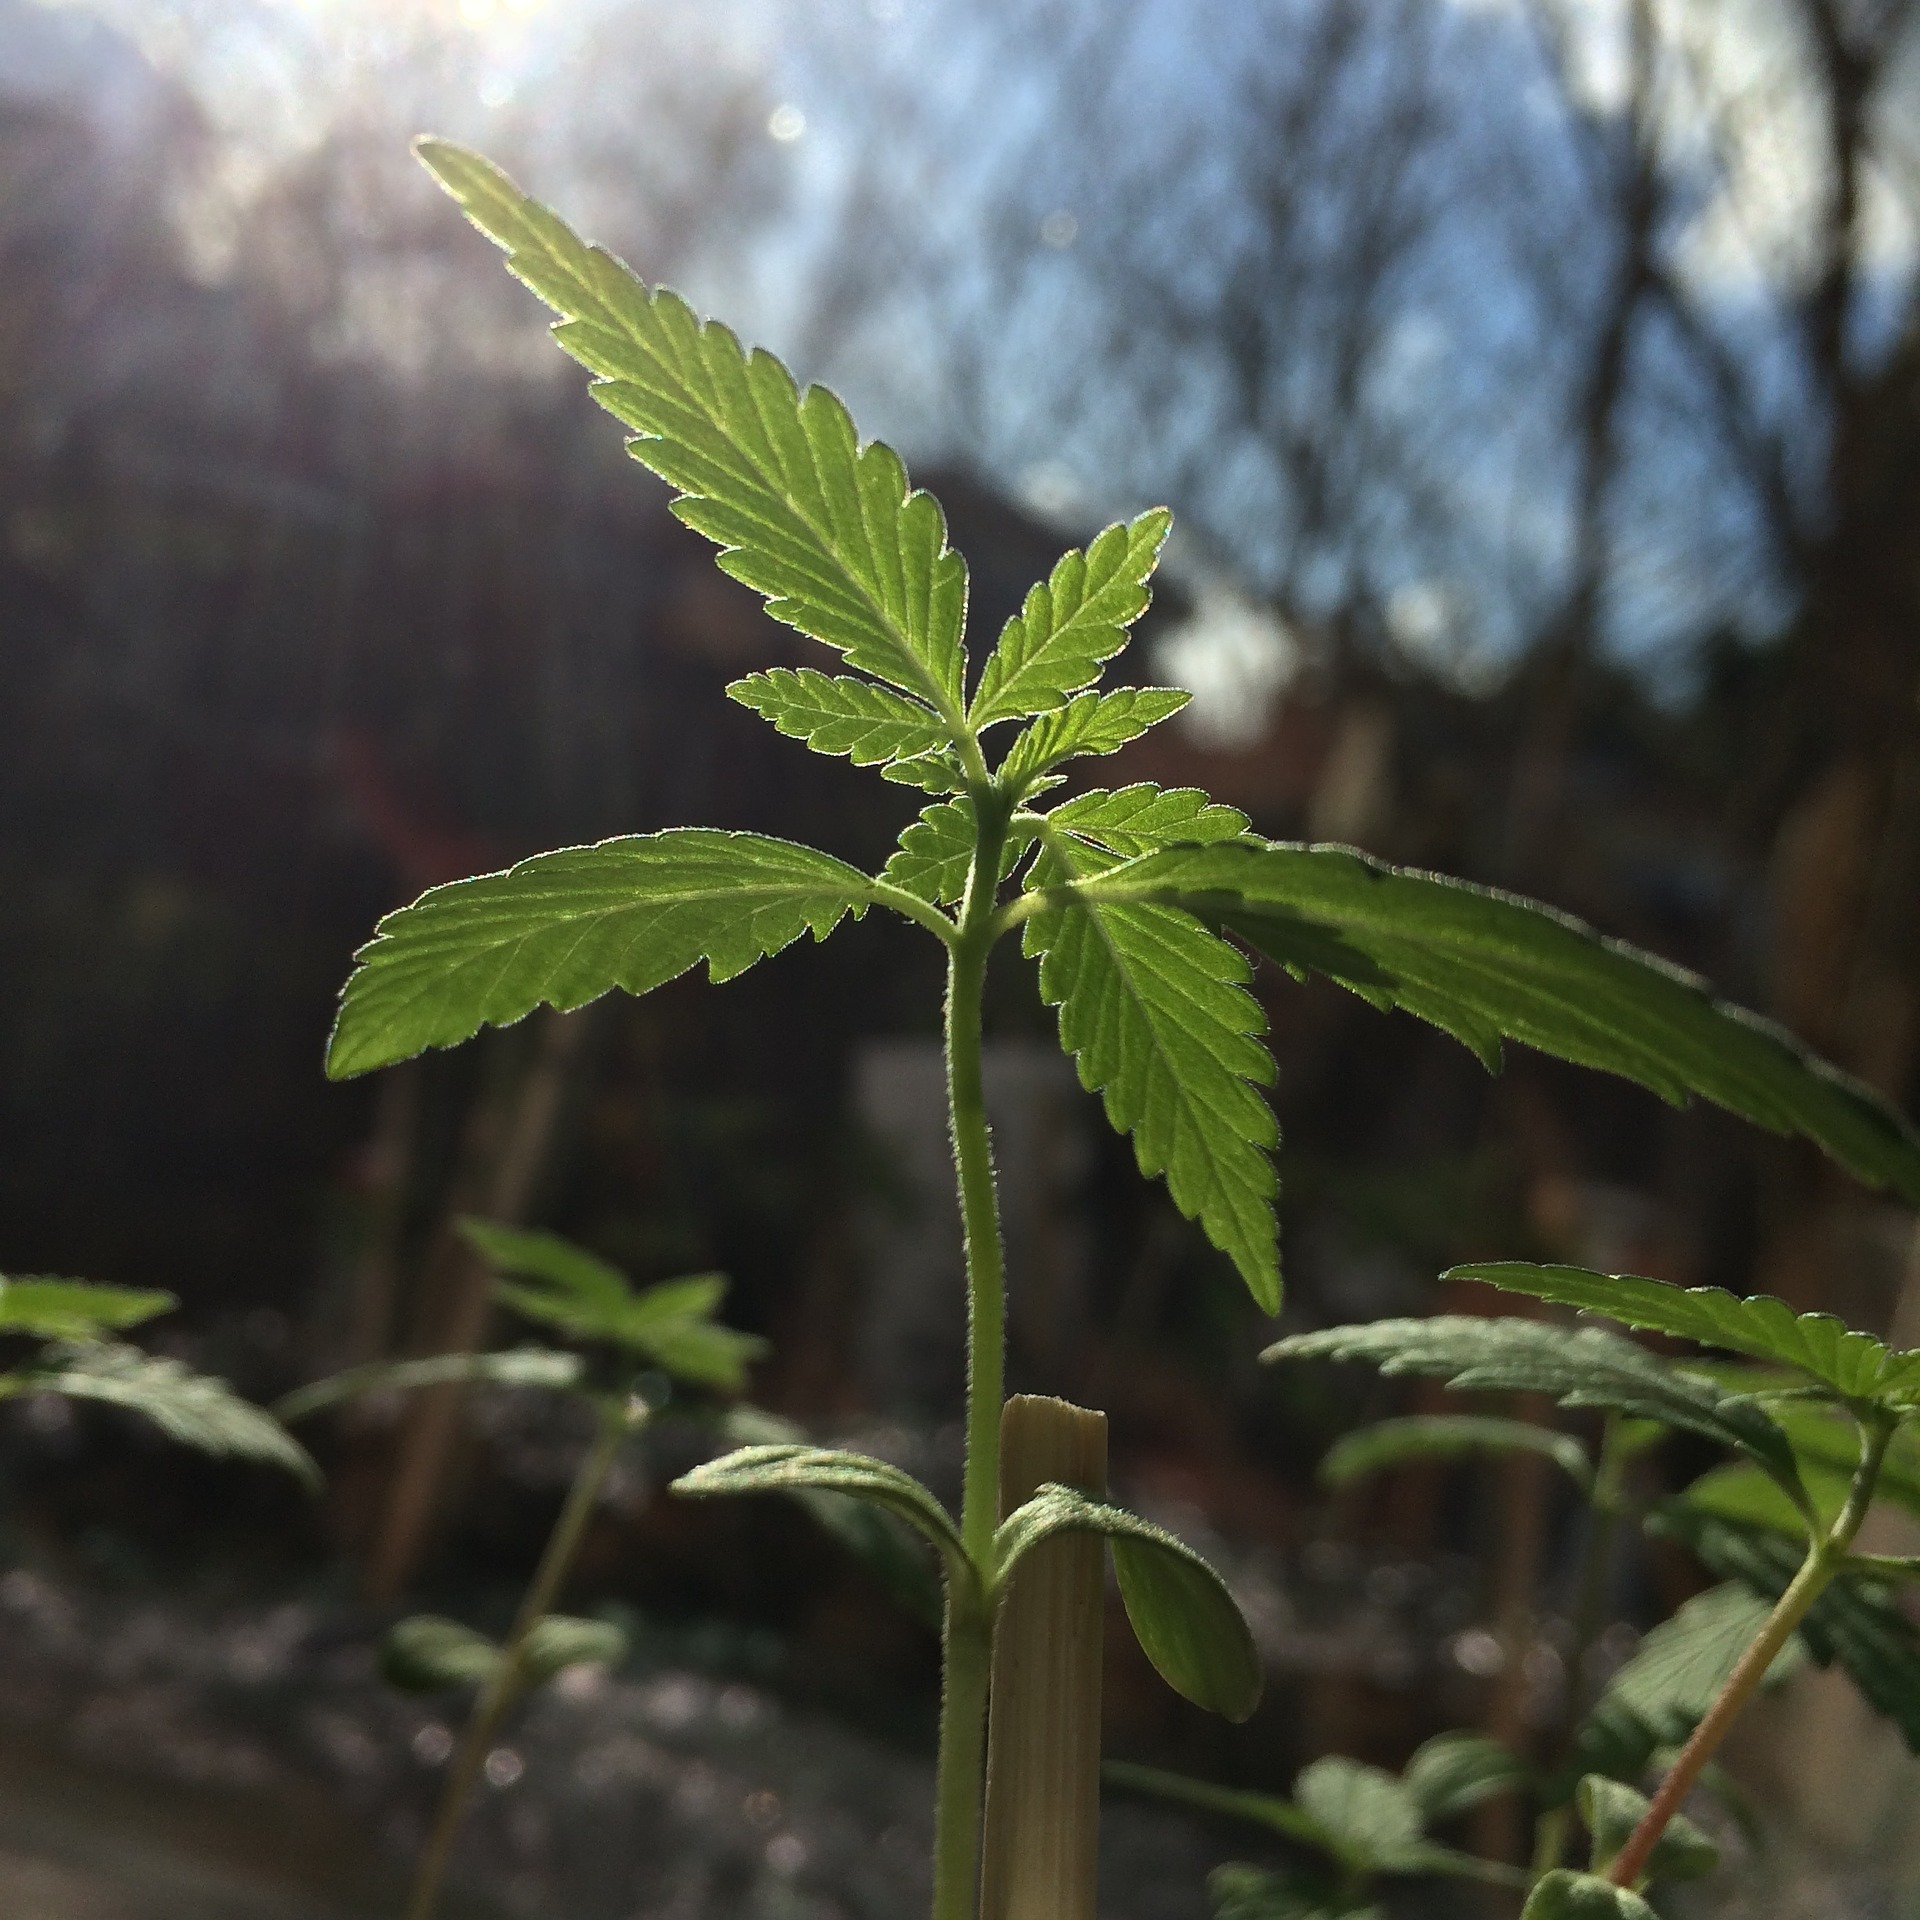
(968, 1643)
(966, 1668)
(1824, 1559)
(986, 1282)
(500, 1692)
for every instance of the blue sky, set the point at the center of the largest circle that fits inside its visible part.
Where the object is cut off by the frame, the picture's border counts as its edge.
(927, 120)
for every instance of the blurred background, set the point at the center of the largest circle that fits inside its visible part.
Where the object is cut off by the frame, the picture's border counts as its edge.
(1536, 384)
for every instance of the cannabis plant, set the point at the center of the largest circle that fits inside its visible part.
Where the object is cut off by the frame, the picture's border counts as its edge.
(637, 1343)
(1820, 1421)
(1142, 907)
(72, 1324)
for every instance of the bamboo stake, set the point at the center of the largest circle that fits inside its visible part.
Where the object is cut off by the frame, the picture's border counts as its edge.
(1039, 1853)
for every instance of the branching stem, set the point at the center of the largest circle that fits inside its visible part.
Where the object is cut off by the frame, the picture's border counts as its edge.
(1825, 1558)
(508, 1681)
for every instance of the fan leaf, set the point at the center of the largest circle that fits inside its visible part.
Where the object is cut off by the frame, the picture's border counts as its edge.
(515, 1367)
(1370, 1815)
(1454, 1772)
(1446, 1436)
(1611, 1809)
(836, 714)
(50, 1308)
(671, 1324)
(936, 852)
(1583, 1368)
(566, 927)
(1486, 966)
(1072, 623)
(1089, 724)
(1143, 818)
(1855, 1621)
(192, 1408)
(777, 477)
(1855, 1365)
(1155, 1012)
(1678, 1669)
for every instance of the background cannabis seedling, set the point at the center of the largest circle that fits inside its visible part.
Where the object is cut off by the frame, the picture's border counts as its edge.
(629, 1335)
(72, 1323)
(1140, 906)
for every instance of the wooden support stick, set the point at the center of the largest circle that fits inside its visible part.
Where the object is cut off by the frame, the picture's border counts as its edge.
(1039, 1851)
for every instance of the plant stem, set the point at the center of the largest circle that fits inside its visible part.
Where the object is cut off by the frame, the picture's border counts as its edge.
(500, 1692)
(1823, 1561)
(966, 1669)
(980, 1221)
(967, 1644)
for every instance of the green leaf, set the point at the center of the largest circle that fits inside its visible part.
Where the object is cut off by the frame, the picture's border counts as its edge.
(936, 852)
(1611, 1810)
(794, 1468)
(564, 928)
(1262, 1809)
(823, 526)
(54, 1309)
(193, 1408)
(1565, 1895)
(1187, 1622)
(1366, 1819)
(837, 714)
(562, 1640)
(1371, 1816)
(1373, 1822)
(429, 1653)
(1241, 1892)
(1143, 818)
(516, 1367)
(1855, 1621)
(1738, 1491)
(930, 772)
(1678, 1669)
(1155, 1012)
(1445, 1436)
(1582, 1368)
(1660, 1695)
(670, 1324)
(1072, 624)
(1483, 965)
(1090, 723)
(699, 1353)
(1455, 1771)
(890, 1550)
(581, 1282)
(1855, 1365)
(1828, 1443)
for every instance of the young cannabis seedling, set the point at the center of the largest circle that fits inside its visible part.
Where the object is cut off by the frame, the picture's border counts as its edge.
(1820, 1428)
(667, 1329)
(1360, 1823)
(79, 1360)
(1140, 905)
